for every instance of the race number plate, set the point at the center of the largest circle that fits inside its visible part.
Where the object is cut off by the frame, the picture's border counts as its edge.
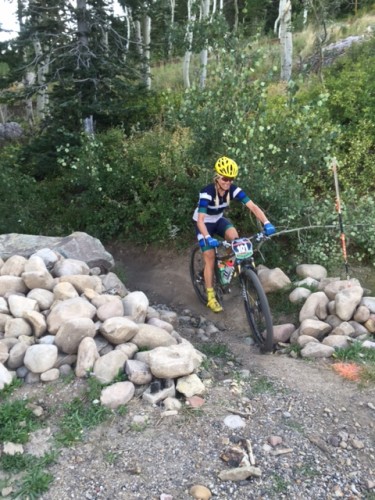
(243, 248)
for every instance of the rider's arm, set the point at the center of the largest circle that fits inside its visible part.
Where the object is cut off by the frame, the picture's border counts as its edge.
(258, 212)
(201, 225)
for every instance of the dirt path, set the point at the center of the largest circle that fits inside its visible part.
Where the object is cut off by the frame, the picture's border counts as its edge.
(165, 280)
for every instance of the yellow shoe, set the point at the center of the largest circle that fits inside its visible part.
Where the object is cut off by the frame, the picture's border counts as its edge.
(214, 305)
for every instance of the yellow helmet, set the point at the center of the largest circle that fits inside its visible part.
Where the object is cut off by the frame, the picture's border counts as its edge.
(226, 167)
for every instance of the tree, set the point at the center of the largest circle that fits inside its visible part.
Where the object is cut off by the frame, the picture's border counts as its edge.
(283, 25)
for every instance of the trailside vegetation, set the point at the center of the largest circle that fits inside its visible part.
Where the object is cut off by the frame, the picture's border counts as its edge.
(136, 177)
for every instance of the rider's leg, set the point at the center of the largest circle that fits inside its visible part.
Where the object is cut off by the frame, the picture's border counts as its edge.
(208, 273)
(231, 233)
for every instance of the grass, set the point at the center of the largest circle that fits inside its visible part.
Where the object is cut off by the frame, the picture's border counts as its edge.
(29, 474)
(214, 350)
(9, 389)
(82, 413)
(308, 471)
(279, 484)
(262, 385)
(281, 306)
(17, 421)
(34, 483)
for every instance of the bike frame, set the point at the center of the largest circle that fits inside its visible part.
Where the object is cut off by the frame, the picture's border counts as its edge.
(238, 264)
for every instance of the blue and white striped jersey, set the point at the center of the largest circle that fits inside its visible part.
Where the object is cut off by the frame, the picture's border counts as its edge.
(214, 205)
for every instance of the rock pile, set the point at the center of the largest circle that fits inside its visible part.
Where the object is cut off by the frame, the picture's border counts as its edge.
(58, 315)
(334, 312)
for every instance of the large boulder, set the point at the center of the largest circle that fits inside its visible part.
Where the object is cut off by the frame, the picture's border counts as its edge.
(77, 245)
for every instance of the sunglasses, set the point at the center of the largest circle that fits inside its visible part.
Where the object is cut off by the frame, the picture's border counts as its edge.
(227, 179)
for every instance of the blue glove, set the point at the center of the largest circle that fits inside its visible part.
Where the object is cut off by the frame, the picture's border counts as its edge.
(213, 242)
(269, 229)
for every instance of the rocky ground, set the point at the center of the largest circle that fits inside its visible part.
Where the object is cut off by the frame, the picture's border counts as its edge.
(306, 432)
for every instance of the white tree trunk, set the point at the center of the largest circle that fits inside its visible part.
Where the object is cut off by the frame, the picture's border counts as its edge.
(205, 10)
(189, 43)
(138, 37)
(147, 51)
(283, 28)
(173, 8)
(42, 94)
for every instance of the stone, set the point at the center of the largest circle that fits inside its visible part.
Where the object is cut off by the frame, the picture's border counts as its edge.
(86, 357)
(314, 271)
(200, 492)
(81, 282)
(69, 267)
(19, 305)
(135, 306)
(299, 295)
(72, 332)
(64, 291)
(369, 302)
(117, 394)
(37, 322)
(15, 327)
(108, 366)
(39, 279)
(334, 287)
(69, 309)
(362, 314)
(343, 328)
(112, 284)
(138, 372)
(240, 473)
(17, 355)
(77, 245)
(337, 341)
(5, 377)
(314, 328)
(346, 302)
(43, 297)
(150, 337)
(315, 307)
(273, 279)
(174, 361)
(282, 333)
(190, 385)
(317, 350)
(14, 266)
(111, 309)
(11, 284)
(40, 358)
(119, 330)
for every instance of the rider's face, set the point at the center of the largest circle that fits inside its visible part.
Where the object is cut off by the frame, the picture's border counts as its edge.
(225, 182)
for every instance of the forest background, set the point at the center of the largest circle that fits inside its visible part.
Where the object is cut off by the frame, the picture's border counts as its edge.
(124, 115)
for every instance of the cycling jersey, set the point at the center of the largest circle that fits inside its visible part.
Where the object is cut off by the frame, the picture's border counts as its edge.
(208, 199)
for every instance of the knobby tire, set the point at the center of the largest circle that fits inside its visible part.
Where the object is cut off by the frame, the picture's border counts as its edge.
(257, 310)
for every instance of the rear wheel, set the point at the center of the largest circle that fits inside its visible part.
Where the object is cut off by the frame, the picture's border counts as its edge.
(197, 278)
(257, 310)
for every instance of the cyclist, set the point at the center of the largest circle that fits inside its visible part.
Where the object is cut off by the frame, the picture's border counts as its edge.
(209, 219)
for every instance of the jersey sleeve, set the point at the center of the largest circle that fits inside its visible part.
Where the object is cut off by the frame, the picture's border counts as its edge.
(204, 199)
(236, 193)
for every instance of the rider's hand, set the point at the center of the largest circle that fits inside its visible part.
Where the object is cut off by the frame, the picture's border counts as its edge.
(212, 242)
(269, 229)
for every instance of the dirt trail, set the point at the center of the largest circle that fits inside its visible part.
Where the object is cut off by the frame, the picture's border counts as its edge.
(164, 278)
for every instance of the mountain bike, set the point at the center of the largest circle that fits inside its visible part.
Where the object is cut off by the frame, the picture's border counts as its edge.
(236, 266)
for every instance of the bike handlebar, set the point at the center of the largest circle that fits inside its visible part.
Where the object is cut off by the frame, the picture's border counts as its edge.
(258, 237)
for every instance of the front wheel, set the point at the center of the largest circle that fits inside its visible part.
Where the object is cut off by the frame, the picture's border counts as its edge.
(257, 310)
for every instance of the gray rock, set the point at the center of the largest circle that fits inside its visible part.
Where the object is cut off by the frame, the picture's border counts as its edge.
(77, 245)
